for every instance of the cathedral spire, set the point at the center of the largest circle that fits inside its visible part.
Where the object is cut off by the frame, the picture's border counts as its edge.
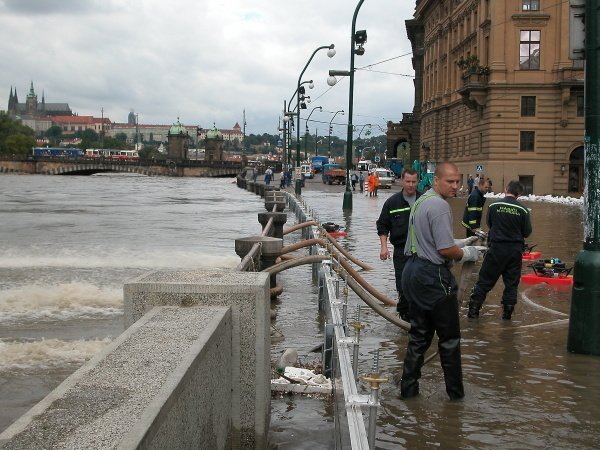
(31, 91)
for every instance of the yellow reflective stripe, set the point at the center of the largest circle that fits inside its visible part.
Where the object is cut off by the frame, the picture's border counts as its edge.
(472, 221)
(510, 204)
(474, 208)
(412, 236)
(392, 211)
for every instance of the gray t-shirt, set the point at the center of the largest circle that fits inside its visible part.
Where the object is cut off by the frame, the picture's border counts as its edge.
(431, 223)
(410, 198)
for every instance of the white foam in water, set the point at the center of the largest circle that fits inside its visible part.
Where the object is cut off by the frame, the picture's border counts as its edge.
(59, 302)
(47, 354)
(153, 260)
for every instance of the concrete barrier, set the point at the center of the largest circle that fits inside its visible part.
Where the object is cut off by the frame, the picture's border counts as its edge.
(248, 295)
(164, 383)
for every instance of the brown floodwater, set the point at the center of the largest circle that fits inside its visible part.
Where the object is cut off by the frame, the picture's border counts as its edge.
(523, 388)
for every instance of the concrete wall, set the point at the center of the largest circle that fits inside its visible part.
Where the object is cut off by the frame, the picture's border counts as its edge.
(249, 298)
(165, 383)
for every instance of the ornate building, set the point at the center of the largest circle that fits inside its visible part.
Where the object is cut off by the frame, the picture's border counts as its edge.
(33, 109)
(214, 145)
(496, 92)
(179, 140)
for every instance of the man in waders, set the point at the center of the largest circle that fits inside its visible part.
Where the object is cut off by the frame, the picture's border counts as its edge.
(429, 285)
(474, 207)
(510, 223)
(393, 224)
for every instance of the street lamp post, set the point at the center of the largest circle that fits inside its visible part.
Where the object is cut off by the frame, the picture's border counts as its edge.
(331, 54)
(356, 38)
(361, 130)
(330, 122)
(320, 108)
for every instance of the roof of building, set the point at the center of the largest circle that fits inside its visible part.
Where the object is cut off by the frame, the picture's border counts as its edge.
(79, 119)
(214, 133)
(178, 128)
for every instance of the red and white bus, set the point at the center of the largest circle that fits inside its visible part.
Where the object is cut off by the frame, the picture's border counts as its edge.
(112, 153)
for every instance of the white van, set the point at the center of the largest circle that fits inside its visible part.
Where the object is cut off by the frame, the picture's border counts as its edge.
(307, 171)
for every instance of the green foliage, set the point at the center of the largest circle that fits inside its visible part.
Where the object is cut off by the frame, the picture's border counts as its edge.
(150, 152)
(15, 138)
(54, 135)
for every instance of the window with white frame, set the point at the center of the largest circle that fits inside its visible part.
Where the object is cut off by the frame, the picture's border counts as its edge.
(529, 50)
(531, 5)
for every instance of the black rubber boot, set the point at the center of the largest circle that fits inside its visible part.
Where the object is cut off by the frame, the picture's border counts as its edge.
(473, 310)
(507, 311)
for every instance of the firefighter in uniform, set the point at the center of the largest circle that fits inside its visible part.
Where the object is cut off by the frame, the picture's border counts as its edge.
(393, 224)
(474, 207)
(429, 285)
(509, 223)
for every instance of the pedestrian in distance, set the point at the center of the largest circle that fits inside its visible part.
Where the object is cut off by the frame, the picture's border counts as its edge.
(470, 183)
(354, 180)
(371, 184)
(474, 208)
(375, 184)
(509, 224)
(268, 176)
(489, 187)
(392, 225)
(361, 182)
(429, 285)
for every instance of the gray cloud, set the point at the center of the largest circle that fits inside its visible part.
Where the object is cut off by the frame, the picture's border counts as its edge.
(203, 60)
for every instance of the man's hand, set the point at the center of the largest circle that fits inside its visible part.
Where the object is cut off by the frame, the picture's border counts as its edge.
(472, 253)
(384, 253)
(460, 243)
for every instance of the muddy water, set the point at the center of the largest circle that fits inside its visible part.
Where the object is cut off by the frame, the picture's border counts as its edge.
(69, 244)
(523, 389)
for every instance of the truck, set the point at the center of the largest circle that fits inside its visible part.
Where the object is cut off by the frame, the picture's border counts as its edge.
(316, 162)
(395, 165)
(334, 173)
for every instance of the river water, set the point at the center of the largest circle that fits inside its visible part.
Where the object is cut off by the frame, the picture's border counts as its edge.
(70, 243)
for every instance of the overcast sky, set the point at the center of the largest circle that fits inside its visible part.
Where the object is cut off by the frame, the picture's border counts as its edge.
(205, 61)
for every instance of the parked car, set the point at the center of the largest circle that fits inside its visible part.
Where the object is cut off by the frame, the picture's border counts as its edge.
(307, 171)
(386, 177)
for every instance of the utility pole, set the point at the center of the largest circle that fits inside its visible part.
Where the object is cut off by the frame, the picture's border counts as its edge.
(102, 130)
(584, 323)
(244, 135)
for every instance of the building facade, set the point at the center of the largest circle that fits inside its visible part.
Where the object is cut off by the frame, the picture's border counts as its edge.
(499, 95)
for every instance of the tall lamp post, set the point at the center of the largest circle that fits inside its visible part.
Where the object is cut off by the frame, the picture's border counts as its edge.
(331, 54)
(320, 108)
(361, 130)
(330, 122)
(357, 39)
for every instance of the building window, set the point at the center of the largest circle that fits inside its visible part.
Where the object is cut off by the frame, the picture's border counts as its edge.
(527, 141)
(531, 5)
(529, 50)
(527, 182)
(580, 106)
(528, 106)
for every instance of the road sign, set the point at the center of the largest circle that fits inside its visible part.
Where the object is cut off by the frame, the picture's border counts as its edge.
(376, 159)
(479, 168)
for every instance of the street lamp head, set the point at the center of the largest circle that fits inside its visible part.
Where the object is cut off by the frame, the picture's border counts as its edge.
(311, 85)
(331, 80)
(286, 118)
(331, 51)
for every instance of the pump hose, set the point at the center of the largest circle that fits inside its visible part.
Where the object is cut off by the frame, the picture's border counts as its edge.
(354, 285)
(321, 242)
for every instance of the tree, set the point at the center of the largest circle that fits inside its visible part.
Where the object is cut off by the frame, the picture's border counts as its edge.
(15, 138)
(121, 137)
(54, 134)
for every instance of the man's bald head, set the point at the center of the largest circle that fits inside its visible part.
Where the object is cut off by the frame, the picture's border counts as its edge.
(444, 167)
(446, 179)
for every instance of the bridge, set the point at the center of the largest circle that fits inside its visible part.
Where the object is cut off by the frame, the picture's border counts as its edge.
(89, 166)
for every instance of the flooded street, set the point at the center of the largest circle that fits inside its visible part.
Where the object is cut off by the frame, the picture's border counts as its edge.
(523, 389)
(70, 243)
